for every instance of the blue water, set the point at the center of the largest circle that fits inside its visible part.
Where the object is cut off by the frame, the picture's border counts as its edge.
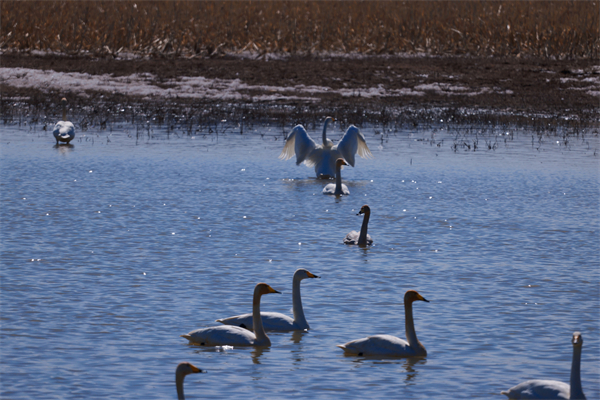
(115, 246)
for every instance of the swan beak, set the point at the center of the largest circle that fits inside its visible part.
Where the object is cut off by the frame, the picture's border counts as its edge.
(311, 275)
(577, 338)
(271, 290)
(423, 298)
(196, 370)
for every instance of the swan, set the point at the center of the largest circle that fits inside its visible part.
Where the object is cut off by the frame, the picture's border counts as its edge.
(227, 335)
(273, 321)
(323, 156)
(362, 238)
(545, 389)
(183, 369)
(64, 131)
(391, 346)
(337, 188)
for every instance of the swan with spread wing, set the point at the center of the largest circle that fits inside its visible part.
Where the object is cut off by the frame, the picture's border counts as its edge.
(323, 156)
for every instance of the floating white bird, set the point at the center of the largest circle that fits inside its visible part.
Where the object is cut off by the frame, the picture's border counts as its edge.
(362, 238)
(227, 335)
(546, 389)
(273, 321)
(323, 156)
(183, 369)
(337, 188)
(391, 346)
(64, 131)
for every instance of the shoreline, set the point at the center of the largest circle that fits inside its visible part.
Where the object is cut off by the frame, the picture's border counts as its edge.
(296, 89)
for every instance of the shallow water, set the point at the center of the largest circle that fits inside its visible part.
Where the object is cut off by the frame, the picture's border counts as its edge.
(115, 246)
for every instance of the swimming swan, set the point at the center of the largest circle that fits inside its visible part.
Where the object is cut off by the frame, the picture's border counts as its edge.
(546, 389)
(323, 156)
(391, 346)
(273, 321)
(362, 238)
(337, 188)
(64, 131)
(183, 369)
(234, 335)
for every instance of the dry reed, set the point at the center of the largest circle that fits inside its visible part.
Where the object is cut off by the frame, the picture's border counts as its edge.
(556, 29)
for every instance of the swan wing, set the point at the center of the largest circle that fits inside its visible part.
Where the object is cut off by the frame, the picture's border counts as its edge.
(379, 345)
(272, 321)
(298, 142)
(329, 189)
(539, 389)
(353, 142)
(352, 237)
(225, 335)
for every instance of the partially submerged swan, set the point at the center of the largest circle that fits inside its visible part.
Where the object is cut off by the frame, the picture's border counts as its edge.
(183, 369)
(337, 188)
(361, 238)
(391, 346)
(323, 156)
(546, 389)
(273, 321)
(64, 131)
(227, 335)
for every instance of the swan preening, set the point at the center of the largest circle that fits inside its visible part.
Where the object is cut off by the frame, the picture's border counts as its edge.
(64, 131)
(273, 321)
(337, 188)
(546, 389)
(323, 156)
(227, 335)
(391, 346)
(361, 238)
(183, 369)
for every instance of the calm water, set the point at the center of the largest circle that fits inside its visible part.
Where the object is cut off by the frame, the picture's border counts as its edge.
(115, 246)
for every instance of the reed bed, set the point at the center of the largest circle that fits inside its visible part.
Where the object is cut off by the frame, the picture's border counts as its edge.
(549, 29)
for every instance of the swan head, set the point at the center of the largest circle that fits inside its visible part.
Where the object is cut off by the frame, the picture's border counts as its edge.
(186, 368)
(263, 288)
(577, 339)
(364, 210)
(302, 273)
(413, 295)
(340, 162)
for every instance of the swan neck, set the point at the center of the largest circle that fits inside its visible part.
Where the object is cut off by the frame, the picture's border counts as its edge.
(362, 238)
(338, 180)
(259, 330)
(299, 317)
(64, 112)
(179, 383)
(325, 132)
(576, 389)
(411, 335)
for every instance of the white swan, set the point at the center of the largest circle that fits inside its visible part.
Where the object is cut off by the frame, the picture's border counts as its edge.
(64, 131)
(183, 369)
(337, 188)
(361, 238)
(226, 335)
(391, 346)
(545, 389)
(273, 321)
(323, 156)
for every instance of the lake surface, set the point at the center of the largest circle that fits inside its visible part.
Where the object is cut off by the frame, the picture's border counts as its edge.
(115, 246)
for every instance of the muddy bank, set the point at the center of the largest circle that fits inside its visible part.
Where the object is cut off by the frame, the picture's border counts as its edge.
(374, 89)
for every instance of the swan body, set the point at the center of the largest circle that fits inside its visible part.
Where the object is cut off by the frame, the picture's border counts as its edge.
(547, 389)
(337, 188)
(64, 131)
(323, 156)
(183, 369)
(361, 238)
(273, 321)
(227, 335)
(391, 346)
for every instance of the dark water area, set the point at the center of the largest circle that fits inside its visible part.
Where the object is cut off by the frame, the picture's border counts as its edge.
(116, 245)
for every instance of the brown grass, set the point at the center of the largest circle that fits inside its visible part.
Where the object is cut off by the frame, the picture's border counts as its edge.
(557, 29)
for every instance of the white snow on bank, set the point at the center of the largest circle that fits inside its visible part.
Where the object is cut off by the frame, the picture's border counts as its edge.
(148, 86)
